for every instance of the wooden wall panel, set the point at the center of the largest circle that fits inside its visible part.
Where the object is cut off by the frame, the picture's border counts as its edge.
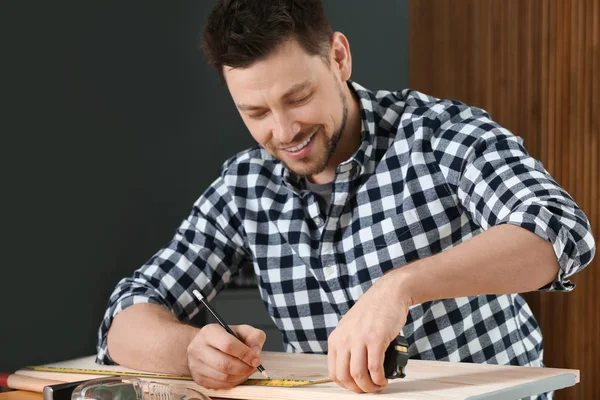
(534, 65)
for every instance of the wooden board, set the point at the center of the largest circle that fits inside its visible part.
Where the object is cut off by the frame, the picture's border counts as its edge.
(426, 380)
(21, 395)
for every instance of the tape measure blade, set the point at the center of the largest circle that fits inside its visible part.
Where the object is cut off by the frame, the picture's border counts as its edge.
(111, 373)
(249, 382)
(282, 382)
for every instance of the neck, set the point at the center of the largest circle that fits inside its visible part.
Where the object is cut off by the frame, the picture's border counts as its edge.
(349, 139)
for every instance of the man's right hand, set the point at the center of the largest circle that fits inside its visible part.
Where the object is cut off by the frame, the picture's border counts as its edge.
(218, 360)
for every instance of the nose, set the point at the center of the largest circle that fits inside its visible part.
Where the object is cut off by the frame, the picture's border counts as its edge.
(285, 128)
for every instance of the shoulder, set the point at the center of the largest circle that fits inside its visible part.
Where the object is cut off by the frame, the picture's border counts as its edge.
(447, 120)
(421, 106)
(411, 109)
(253, 166)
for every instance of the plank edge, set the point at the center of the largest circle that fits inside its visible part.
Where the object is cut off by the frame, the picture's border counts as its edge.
(551, 383)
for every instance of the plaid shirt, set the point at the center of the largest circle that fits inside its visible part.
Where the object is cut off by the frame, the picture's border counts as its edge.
(429, 174)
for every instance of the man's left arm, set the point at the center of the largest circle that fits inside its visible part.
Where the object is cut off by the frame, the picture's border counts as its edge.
(534, 237)
(499, 183)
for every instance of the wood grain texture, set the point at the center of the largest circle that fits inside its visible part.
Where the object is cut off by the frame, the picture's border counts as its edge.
(535, 67)
(24, 395)
(21, 395)
(426, 380)
(31, 384)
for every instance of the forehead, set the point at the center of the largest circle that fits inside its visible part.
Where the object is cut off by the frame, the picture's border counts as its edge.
(287, 66)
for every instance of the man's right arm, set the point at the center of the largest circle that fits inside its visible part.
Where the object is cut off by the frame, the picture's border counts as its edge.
(149, 337)
(146, 322)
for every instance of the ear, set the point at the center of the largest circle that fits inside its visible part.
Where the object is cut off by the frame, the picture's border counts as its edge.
(340, 56)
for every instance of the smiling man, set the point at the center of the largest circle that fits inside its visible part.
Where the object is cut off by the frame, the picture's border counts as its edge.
(364, 214)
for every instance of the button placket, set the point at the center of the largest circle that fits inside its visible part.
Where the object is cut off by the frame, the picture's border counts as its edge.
(330, 271)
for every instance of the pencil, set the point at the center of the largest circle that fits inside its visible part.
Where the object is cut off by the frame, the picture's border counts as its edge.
(221, 322)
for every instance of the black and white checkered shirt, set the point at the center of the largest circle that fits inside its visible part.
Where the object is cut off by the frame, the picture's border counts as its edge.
(429, 175)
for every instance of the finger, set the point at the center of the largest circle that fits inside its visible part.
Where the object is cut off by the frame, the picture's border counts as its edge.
(376, 355)
(210, 383)
(251, 336)
(225, 364)
(342, 370)
(204, 371)
(232, 346)
(331, 363)
(359, 370)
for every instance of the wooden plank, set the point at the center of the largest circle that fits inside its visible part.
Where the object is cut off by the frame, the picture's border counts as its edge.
(24, 395)
(425, 379)
(21, 395)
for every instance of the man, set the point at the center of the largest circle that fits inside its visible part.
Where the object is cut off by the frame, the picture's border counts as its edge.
(363, 213)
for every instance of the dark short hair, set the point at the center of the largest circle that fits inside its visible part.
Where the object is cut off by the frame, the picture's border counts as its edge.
(241, 32)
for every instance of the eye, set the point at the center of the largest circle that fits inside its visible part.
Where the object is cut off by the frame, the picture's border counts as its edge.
(302, 100)
(257, 116)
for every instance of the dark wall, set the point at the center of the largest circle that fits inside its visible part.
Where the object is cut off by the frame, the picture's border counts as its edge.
(112, 125)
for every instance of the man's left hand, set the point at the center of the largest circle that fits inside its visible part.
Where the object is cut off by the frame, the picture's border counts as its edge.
(357, 345)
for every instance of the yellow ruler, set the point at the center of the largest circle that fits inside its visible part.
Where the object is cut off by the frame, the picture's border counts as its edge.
(282, 382)
(249, 382)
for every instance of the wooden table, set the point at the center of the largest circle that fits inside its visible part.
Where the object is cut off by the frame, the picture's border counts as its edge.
(23, 395)
(425, 380)
(20, 395)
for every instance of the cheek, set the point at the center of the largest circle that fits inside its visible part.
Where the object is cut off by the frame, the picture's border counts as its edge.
(259, 134)
(329, 111)
(261, 131)
(313, 115)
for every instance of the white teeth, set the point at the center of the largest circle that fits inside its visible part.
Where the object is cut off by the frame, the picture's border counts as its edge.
(300, 146)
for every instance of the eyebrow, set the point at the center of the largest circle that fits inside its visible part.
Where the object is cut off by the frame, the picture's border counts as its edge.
(291, 91)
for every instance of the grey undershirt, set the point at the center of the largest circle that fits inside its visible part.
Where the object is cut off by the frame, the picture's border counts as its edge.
(323, 193)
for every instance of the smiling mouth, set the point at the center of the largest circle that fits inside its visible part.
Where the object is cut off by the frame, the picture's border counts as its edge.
(300, 146)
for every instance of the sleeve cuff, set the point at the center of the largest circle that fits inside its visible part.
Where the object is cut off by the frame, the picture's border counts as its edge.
(546, 226)
(102, 356)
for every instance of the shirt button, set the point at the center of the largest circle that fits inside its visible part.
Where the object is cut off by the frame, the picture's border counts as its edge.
(330, 271)
(318, 221)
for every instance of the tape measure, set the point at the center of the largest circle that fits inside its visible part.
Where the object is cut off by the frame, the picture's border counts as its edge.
(249, 382)
(282, 382)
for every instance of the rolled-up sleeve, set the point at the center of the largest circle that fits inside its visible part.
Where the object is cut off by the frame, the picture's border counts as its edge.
(498, 182)
(206, 250)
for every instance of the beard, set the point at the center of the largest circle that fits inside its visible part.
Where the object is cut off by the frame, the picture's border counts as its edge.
(317, 164)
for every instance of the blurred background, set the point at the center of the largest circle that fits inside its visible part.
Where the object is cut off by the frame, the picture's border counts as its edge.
(112, 125)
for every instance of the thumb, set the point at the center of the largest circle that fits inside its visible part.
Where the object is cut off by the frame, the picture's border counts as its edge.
(250, 336)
